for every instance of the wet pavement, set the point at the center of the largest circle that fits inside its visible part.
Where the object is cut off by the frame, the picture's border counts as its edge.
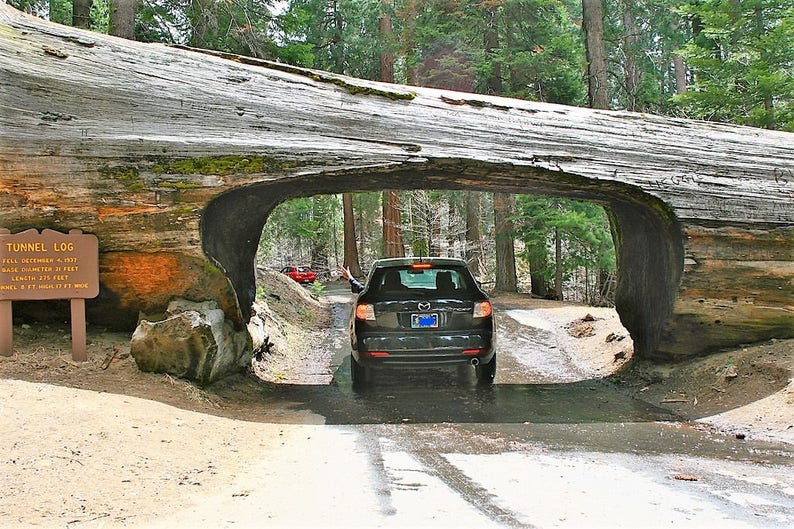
(563, 411)
(541, 448)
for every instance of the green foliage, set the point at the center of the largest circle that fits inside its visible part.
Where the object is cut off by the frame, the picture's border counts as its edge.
(742, 54)
(59, 11)
(241, 28)
(658, 33)
(584, 230)
(542, 56)
(303, 231)
(316, 289)
(333, 35)
(539, 54)
(100, 16)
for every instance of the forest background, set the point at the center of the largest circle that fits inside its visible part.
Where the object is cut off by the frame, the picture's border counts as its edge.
(721, 60)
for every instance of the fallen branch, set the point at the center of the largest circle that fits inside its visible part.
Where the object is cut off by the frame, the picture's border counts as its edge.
(109, 358)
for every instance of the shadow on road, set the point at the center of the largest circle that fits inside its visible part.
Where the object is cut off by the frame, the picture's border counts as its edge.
(427, 395)
(437, 396)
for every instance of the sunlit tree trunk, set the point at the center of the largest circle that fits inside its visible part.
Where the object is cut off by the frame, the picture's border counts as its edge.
(540, 287)
(557, 265)
(473, 232)
(493, 83)
(392, 224)
(350, 259)
(631, 69)
(408, 37)
(760, 30)
(503, 207)
(680, 73)
(386, 54)
(122, 18)
(603, 286)
(503, 203)
(337, 44)
(679, 65)
(593, 25)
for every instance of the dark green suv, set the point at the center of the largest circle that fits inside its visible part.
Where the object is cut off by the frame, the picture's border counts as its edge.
(416, 312)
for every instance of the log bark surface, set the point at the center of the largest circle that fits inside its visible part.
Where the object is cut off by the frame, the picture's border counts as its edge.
(174, 158)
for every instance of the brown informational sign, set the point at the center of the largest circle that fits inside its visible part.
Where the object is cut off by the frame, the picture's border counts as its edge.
(48, 265)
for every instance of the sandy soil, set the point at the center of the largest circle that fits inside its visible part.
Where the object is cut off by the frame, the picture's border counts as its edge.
(748, 392)
(100, 444)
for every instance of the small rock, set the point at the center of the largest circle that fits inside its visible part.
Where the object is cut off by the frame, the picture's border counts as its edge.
(55, 52)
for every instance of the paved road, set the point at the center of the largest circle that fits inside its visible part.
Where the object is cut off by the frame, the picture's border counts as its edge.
(431, 450)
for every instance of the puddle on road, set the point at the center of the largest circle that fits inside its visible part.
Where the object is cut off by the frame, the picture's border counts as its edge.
(589, 416)
(438, 395)
(443, 395)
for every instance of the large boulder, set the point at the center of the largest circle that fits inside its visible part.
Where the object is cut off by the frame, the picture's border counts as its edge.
(194, 341)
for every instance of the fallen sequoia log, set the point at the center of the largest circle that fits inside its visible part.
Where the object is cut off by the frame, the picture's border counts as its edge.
(174, 159)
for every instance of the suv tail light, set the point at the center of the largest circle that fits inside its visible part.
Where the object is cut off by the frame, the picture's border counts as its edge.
(482, 309)
(365, 311)
(374, 354)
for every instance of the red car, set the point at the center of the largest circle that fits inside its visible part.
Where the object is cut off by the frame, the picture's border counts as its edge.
(301, 274)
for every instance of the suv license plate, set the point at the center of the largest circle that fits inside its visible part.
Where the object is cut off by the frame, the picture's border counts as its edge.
(422, 321)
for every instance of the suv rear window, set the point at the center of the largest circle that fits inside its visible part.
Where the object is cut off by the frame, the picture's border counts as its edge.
(431, 281)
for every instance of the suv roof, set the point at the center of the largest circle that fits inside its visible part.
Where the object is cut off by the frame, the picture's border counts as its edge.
(405, 261)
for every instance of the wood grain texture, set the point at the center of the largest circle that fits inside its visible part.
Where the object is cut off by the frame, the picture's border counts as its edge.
(157, 149)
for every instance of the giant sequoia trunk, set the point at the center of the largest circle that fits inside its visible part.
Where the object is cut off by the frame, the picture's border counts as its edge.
(593, 26)
(503, 210)
(174, 159)
(350, 243)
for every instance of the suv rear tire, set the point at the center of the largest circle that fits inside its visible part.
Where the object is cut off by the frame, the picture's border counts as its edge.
(486, 372)
(359, 374)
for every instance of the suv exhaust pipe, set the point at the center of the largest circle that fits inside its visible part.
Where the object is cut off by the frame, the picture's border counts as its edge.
(475, 362)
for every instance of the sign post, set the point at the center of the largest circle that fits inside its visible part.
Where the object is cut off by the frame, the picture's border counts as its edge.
(48, 265)
(6, 326)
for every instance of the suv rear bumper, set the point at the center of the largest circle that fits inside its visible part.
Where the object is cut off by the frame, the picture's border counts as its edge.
(423, 350)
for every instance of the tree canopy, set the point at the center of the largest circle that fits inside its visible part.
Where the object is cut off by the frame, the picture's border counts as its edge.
(738, 57)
